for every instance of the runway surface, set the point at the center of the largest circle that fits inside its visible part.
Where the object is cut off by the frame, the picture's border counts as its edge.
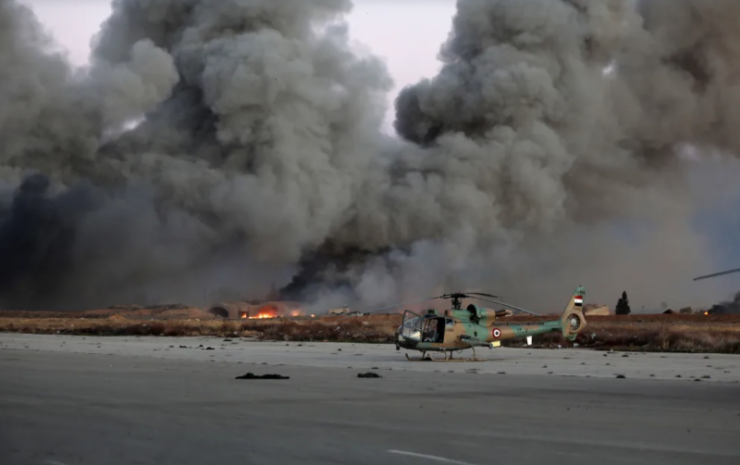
(69, 400)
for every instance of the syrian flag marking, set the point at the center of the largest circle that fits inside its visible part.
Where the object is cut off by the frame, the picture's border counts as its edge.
(578, 300)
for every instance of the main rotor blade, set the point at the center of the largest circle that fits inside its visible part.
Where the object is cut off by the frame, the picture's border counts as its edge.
(484, 294)
(513, 307)
(721, 273)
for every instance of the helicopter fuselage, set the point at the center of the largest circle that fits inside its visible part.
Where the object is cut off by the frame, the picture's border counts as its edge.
(457, 328)
(454, 331)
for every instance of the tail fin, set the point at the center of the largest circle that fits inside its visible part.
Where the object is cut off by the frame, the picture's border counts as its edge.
(572, 320)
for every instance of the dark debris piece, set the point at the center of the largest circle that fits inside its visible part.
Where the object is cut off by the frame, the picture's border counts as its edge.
(368, 375)
(253, 376)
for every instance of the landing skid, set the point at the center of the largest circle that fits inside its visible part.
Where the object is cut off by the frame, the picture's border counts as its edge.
(423, 358)
(447, 358)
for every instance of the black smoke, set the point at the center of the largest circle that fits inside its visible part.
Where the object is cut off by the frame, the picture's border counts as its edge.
(727, 308)
(38, 238)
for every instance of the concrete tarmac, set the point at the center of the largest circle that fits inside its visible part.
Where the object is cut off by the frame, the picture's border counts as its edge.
(74, 400)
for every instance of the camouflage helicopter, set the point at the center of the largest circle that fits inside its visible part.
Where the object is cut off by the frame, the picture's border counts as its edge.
(458, 329)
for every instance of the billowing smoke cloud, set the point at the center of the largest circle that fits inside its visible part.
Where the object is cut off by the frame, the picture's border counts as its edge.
(522, 168)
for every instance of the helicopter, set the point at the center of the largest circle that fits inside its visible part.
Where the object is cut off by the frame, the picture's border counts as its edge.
(459, 329)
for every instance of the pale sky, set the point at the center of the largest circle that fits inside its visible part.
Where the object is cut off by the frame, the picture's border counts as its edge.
(407, 34)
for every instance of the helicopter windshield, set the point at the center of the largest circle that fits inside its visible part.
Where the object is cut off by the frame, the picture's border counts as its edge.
(411, 328)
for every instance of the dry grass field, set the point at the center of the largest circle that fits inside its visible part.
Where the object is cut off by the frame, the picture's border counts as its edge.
(665, 333)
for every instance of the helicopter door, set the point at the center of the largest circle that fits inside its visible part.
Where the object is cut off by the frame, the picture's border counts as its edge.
(449, 331)
(434, 329)
(411, 326)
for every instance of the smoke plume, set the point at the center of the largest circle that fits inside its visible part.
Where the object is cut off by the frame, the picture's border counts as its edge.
(547, 153)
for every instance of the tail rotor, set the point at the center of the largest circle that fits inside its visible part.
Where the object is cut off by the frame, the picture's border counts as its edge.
(572, 320)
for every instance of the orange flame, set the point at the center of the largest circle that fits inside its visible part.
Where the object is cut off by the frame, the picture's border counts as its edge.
(262, 315)
(272, 311)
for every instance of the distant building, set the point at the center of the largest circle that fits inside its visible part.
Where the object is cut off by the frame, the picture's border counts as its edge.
(340, 311)
(596, 310)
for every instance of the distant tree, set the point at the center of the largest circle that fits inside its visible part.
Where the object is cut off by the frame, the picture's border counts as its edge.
(623, 305)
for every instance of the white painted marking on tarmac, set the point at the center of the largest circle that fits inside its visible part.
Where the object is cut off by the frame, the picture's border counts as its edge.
(429, 457)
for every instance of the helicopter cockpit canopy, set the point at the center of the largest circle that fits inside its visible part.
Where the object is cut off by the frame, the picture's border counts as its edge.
(430, 328)
(411, 326)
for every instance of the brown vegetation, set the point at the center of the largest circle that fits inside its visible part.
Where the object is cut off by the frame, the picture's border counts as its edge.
(378, 328)
(158, 312)
(669, 333)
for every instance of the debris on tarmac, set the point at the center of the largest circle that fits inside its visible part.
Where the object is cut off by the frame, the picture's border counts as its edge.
(368, 375)
(269, 376)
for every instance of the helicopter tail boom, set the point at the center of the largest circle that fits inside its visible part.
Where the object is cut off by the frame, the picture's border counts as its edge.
(572, 320)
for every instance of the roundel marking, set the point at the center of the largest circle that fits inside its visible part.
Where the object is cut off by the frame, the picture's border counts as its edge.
(496, 333)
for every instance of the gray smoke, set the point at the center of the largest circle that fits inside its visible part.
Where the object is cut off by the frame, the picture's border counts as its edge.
(259, 158)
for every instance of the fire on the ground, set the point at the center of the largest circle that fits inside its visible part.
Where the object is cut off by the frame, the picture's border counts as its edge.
(265, 310)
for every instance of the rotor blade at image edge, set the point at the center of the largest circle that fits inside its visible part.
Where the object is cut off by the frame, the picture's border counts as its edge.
(513, 307)
(721, 273)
